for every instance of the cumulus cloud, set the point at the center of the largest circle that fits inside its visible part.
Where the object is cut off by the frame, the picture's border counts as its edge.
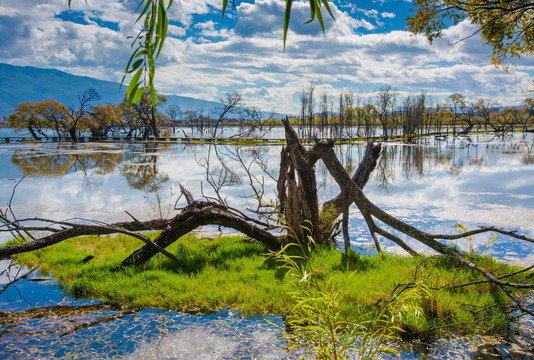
(213, 58)
(176, 30)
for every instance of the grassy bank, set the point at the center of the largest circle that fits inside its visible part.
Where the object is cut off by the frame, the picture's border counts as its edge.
(229, 272)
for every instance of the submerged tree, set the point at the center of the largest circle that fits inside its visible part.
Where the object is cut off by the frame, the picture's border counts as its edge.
(230, 103)
(75, 117)
(103, 118)
(39, 115)
(28, 115)
(143, 115)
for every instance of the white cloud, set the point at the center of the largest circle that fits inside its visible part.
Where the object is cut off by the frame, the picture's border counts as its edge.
(176, 30)
(388, 15)
(250, 57)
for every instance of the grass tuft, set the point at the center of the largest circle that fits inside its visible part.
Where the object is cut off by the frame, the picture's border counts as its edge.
(212, 274)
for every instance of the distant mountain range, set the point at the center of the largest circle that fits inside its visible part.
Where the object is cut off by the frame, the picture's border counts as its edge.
(25, 83)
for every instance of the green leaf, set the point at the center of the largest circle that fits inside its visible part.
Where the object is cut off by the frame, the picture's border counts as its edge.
(325, 2)
(320, 17)
(141, 53)
(312, 10)
(134, 85)
(148, 4)
(287, 15)
(224, 4)
(160, 13)
(138, 95)
(163, 26)
(131, 95)
(135, 66)
(153, 95)
(131, 58)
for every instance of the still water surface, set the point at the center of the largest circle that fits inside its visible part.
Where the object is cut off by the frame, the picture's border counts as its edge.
(480, 180)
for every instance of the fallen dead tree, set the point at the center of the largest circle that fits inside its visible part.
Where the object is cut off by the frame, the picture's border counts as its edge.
(297, 203)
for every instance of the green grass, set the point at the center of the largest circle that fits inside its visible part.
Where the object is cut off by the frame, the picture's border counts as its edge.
(227, 272)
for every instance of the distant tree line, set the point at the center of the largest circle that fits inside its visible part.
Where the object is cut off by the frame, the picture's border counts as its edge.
(349, 115)
(346, 115)
(99, 121)
(135, 120)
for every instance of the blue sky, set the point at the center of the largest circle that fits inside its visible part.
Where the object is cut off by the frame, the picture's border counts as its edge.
(364, 49)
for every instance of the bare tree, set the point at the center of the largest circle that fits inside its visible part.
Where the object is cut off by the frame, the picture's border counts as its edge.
(174, 113)
(230, 103)
(484, 108)
(74, 115)
(415, 114)
(323, 108)
(307, 108)
(257, 118)
(310, 108)
(386, 102)
(463, 111)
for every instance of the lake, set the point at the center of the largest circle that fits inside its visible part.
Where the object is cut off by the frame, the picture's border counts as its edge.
(483, 179)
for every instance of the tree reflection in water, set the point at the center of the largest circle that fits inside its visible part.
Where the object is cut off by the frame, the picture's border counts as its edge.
(141, 169)
(56, 159)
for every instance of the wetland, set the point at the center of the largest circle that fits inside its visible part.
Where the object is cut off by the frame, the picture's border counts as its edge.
(482, 179)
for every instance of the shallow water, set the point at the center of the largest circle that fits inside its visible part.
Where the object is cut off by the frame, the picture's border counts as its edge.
(42, 323)
(485, 180)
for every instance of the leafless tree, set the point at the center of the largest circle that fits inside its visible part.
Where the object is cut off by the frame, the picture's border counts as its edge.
(256, 119)
(463, 111)
(230, 103)
(385, 103)
(323, 108)
(75, 114)
(174, 113)
(307, 108)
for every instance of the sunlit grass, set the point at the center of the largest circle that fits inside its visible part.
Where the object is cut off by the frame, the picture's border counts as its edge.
(212, 274)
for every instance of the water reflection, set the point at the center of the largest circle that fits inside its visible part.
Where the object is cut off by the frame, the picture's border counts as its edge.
(478, 180)
(141, 167)
(432, 184)
(435, 184)
(48, 325)
(60, 159)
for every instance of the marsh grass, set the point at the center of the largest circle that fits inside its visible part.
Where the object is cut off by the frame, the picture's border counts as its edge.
(212, 274)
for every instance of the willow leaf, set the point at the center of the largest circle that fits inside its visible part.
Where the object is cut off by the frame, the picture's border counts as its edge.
(224, 5)
(138, 95)
(325, 2)
(148, 5)
(287, 14)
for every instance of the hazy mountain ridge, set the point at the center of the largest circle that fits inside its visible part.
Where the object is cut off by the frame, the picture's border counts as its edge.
(26, 83)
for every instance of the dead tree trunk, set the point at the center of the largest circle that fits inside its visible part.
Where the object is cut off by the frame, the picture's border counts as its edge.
(369, 210)
(297, 188)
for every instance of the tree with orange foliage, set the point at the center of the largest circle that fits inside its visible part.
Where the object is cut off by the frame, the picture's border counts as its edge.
(38, 115)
